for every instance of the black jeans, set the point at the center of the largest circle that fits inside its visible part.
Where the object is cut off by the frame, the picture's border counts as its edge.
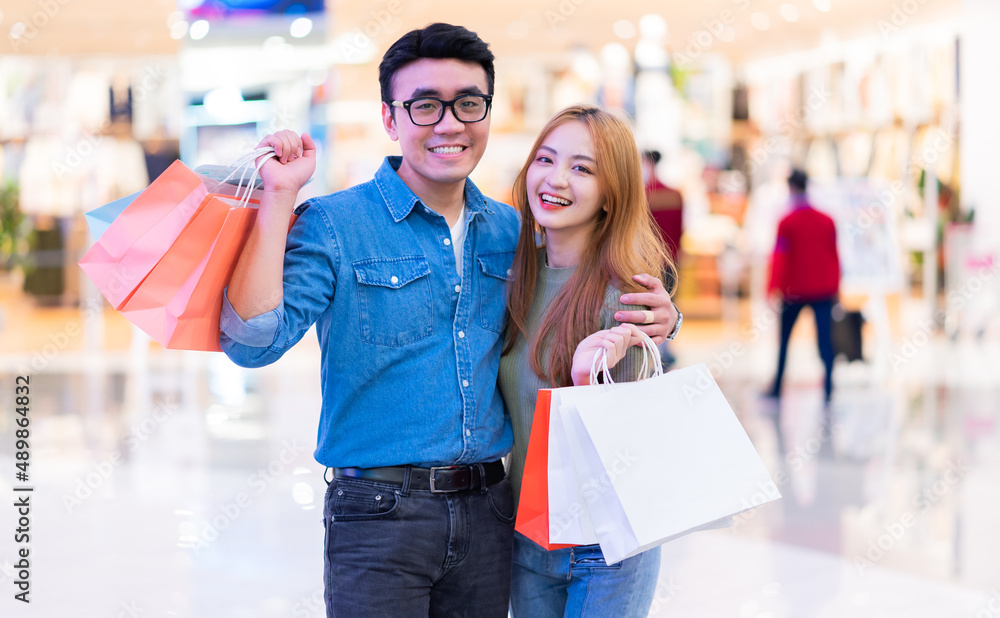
(789, 314)
(397, 551)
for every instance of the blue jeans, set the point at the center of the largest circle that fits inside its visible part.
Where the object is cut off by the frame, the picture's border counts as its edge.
(396, 551)
(822, 310)
(576, 582)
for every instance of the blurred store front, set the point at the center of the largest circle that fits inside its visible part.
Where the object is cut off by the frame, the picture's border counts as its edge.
(889, 105)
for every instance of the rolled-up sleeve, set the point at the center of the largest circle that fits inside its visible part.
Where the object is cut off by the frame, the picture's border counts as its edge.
(257, 332)
(308, 284)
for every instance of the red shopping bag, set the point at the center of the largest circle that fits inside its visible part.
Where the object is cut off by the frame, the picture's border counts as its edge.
(179, 303)
(533, 505)
(136, 240)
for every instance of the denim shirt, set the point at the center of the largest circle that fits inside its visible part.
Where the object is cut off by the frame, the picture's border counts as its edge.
(410, 349)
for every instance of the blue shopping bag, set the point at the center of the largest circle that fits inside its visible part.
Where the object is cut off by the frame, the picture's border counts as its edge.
(99, 219)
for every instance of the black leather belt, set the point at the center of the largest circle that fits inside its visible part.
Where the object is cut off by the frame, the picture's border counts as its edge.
(439, 479)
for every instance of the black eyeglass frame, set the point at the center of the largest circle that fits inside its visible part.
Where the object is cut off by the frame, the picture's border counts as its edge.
(487, 98)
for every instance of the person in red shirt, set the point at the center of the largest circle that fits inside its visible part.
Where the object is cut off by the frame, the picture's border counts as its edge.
(805, 270)
(666, 203)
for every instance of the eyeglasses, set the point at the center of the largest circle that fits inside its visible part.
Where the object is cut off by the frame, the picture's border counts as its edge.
(428, 110)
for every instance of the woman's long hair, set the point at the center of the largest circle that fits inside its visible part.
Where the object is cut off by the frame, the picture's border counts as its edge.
(624, 242)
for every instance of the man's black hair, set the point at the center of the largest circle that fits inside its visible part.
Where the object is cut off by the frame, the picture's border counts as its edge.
(798, 180)
(652, 155)
(435, 41)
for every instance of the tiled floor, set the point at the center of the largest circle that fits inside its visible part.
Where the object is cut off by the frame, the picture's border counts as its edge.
(175, 484)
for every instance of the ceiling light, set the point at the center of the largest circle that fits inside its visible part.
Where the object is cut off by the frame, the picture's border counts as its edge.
(199, 29)
(179, 30)
(274, 43)
(301, 27)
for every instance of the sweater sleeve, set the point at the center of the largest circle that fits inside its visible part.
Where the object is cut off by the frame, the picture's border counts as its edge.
(629, 367)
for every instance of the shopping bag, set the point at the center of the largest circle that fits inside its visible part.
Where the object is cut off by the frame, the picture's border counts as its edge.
(136, 240)
(570, 492)
(179, 303)
(138, 237)
(673, 456)
(99, 219)
(554, 499)
(845, 333)
(552, 510)
(533, 504)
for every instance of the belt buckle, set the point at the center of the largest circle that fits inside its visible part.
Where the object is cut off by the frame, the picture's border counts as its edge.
(434, 489)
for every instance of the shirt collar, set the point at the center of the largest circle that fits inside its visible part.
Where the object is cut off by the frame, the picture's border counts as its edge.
(400, 199)
(800, 200)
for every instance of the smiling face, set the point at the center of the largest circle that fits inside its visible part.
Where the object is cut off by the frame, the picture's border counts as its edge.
(445, 153)
(564, 193)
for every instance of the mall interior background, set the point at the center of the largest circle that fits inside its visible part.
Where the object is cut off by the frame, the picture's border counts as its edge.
(173, 483)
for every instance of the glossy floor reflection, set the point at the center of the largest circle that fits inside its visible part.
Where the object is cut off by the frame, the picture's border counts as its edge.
(175, 484)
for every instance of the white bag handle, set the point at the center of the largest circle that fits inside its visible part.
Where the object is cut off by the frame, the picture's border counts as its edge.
(600, 364)
(242, 165)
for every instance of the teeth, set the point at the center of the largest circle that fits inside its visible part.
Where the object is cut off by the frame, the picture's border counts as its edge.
(448, 150)
(555, 200)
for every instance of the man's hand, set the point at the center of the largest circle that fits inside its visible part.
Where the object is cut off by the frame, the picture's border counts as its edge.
(659, 303)
(293, 165)
(615, 340)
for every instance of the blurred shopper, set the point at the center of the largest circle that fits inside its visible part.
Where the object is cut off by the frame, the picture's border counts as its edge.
(581, 189)
(405, 277)
(805, 271)
(666, 203)
(667, 206)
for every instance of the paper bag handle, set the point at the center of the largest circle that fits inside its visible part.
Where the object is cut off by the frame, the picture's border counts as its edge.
(244, 164)
(600, 364)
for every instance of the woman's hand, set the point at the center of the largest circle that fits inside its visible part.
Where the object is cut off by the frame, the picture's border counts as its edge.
(293, 165)
(615, 340)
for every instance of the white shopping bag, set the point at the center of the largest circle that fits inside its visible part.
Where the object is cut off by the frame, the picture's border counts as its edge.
(670, 457)
(569, 522)
(571, 489)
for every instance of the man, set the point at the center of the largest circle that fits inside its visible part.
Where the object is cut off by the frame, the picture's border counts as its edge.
(666, 204)
(405, 277)
(667, 207)
(805, 270)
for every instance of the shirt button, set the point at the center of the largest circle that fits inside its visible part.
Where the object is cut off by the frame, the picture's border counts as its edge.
(508, 272)
(468, 432)
(394, 279)
(461, 334)
(458, 289)
(465, 383)
(447, 241)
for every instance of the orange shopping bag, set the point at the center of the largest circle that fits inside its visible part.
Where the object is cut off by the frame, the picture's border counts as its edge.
(180, 302)
(533, 505)
(137, 239)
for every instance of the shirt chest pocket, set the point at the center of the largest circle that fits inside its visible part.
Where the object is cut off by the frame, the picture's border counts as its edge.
(394, 298)
(495, 269)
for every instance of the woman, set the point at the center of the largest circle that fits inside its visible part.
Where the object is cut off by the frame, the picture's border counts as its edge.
(581, 192)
